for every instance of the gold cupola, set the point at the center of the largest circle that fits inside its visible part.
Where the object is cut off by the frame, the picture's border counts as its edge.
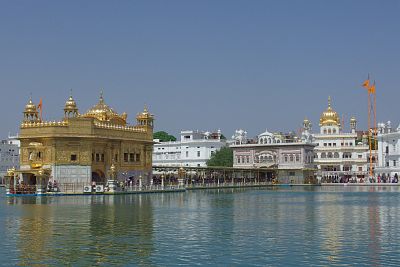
(329, 117)
(102, 112)
(31, 113)
(144, 118)
(70, 109)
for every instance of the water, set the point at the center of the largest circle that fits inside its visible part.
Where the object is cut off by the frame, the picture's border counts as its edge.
(293, 226)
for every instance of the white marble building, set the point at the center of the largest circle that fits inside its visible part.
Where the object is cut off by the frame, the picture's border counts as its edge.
(339, 156)
(388, 151)
(291, 160)
(9, 155)
(193, 149)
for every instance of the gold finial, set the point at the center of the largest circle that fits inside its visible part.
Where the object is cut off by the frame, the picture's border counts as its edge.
(329, 101)
(101, 96)
(70, 92)
(145, 110)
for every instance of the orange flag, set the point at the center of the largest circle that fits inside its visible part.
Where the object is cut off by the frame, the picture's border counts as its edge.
(372, 89)
(366, 84)
(40, 106)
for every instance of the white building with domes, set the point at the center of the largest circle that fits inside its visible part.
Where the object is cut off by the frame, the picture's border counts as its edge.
(340, 156)
(275, 155)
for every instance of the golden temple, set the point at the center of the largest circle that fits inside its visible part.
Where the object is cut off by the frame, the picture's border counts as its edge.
(81, 148)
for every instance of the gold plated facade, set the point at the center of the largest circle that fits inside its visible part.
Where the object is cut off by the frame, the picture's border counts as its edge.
(82, 148)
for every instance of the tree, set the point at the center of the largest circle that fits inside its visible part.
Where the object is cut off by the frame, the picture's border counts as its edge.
(222, 158)
(163, 136)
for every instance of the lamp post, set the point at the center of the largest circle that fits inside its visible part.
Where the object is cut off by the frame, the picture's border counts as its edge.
(181, 175)
(162, 181)
(140, 182)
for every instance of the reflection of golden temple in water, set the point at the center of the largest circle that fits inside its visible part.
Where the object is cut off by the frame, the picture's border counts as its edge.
(81, 147)
(109, 230)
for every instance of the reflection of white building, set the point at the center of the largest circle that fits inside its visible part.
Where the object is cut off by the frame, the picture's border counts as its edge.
(388, 150)
(337, 154)
(290, 159)
(193, 150)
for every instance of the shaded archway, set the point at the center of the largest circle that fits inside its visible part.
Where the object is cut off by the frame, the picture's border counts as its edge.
(30, 179)
(98, 176)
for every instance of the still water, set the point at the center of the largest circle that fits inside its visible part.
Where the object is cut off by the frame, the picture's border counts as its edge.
(294, 226)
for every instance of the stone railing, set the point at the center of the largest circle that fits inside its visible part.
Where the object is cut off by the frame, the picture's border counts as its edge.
(137, 129)
(44, 124)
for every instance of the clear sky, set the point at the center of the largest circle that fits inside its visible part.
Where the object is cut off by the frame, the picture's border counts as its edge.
(201, 64)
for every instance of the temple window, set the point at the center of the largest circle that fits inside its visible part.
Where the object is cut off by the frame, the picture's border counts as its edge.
(97, 157)
(73, 157)
(102, 157)
(132, 157)
(126, 157)
(137, 157)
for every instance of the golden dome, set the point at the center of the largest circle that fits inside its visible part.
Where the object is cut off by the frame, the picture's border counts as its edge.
(329, 117)
(30, 107)
(102, 112)
(353, 119)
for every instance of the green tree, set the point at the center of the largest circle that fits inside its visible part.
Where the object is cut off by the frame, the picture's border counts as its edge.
(164, 136)
(222, 158)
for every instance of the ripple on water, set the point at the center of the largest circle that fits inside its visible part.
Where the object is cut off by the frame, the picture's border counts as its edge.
(252, 227)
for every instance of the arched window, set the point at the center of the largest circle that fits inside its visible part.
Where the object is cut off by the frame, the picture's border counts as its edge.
(291, 158)
(324, 131)
(323, 155)
(334, 131)
(286, 158)
(329, 131)
(330, 155)
(297, 158)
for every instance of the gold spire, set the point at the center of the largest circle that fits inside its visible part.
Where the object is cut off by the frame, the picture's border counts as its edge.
(101, 100)
(329, 117)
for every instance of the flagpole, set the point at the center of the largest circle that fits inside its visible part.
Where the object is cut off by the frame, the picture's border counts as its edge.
(375, 120)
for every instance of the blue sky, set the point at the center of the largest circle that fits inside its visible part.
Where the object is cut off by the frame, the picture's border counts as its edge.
(201, 64)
